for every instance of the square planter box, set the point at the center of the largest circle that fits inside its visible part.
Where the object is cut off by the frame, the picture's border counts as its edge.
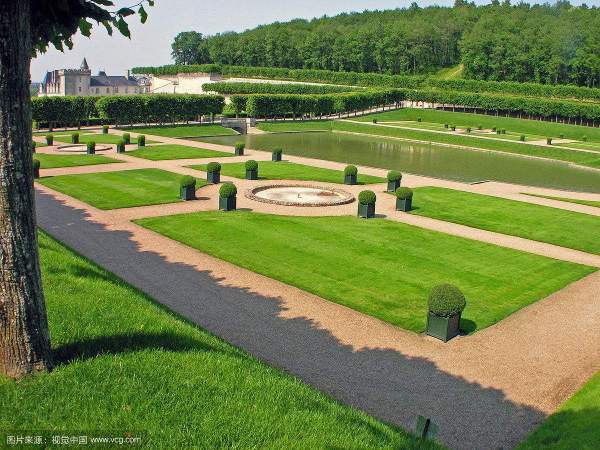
(403, 204)
(227, 204)
(276, 156)
(366, 211)
(443, 328)
(393, 185)
(91, 151)
(349, 179)
(239, 152)
(251, 174)
(36, 173)
(213, 177)
(188, 193)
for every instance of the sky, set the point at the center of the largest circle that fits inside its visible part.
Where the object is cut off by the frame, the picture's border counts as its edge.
(150, 43)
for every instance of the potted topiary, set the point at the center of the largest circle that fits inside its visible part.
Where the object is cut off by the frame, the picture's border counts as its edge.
(49, 139)
(126, 138)
(446, 304)
(91, 148)
(36, 168)
(277, 154)
(445, 125)
(366, 204)
(251, 170)
(141, 140)
(104, 129)
(404, 199)
(350, 174)
(239, 149)
(480, 127)
(374, 120)
(394, 178)
(33, 147)
(419, 119)
(549, 141)
(227, 197)
(452, 127)
(468, 129)
(561, 136)
(121, 146)
(74, 138)
(584, 138)
(187, 189)
(503, 130)
(522, 138)
(213, 172)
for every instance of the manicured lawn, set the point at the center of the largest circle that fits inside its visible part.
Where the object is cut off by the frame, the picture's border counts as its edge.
(379, 267)
(516, 125)
(168, 151)
(526, 220)
(98, 138)
(180, 131)
(573, 426)
(298, 125)
(568, 200)
(125, 363)
(123, 189)
(283, 170)
(54, 161)
(585, 159)
(595, 146)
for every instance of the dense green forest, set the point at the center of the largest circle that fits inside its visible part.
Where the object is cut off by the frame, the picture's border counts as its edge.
(557, 44)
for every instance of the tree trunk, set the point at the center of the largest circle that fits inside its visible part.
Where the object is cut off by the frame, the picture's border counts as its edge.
(24, 336)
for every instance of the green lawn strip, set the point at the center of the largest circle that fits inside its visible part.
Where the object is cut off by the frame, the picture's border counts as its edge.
(568, 200)
(536, 222)
(512, 124)
(311, 125)
(98, 138)
(122, 189)
(583, 145)
(179, 131)
(283, 170)
(586, 159)
(54, 161)
(168, 151)
(573, 426)
(381, 268)
(125, 363)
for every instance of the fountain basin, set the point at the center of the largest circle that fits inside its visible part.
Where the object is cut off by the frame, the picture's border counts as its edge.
(81, 148)
(299, 195)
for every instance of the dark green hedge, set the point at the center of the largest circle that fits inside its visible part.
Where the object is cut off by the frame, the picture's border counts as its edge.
(394, 175)
(404, 193)
(446, 300)
(227, 190)
(187, 181)
(350, 170)
(367, 198)
(229, 88)
(213, 167)
(251, 165)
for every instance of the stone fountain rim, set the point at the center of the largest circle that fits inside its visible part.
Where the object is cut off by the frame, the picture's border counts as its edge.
(347, 197)
(64, 148)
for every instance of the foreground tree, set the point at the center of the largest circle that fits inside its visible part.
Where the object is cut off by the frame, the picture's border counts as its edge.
(27, 26)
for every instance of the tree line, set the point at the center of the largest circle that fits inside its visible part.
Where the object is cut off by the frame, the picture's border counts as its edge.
(550, 44)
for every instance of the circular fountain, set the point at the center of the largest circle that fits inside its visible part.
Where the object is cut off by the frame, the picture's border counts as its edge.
(299, 195)
(80, 148)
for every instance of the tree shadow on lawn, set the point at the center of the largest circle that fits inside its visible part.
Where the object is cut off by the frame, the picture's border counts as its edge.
(385, 383)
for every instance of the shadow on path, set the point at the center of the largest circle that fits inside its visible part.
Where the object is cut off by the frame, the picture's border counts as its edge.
(382, 382)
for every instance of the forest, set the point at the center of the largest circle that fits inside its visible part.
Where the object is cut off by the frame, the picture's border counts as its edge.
(551, 44)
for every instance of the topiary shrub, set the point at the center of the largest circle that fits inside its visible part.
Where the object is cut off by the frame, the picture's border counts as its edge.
(104, 129)
(91, 148)
(36, 168)
(480, 127)
(446, 300)
(251, 165)
(74, 138)
(452, 127)
(126, 138)
(350, 170)
(584, 138)
(374, 120)
(445, 125)
(141, 140)
(213, 167)
(50, 139)
(403, 193)
(419, 119)
(549, 141)
(503, 131)
(227, 190)
(494, 129)
(367, 198)
(522, 138)
(239, 148)
(561, 136)
(394, 175)
(187, 181)
(498, 131)
(276, 155)
(468, 129)
(121, 146)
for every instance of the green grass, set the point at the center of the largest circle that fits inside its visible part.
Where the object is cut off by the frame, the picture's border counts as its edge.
(382, 268)
(595, 146)
(180, 131)
(127, 364)
(168, 151)
(54, 161)
(98, 138)
(568, 200)
(573, 426)
(515, 125)
(309, 125)
(581, 158)
(283, 170)
(526, 220)
(451, 73)
(122, 189)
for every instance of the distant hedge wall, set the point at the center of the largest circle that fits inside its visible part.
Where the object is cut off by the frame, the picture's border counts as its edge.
(228, 88)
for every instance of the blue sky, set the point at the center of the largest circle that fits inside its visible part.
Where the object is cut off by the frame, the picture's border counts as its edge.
(151, 43)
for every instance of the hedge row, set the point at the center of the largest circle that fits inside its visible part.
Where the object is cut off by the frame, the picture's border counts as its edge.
(270, 88)
(163, 108)
(384, 81)
(70, 110)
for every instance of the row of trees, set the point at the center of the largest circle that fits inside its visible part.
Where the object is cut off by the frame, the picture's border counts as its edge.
(57, 111)
(546, 43)
(229, 88)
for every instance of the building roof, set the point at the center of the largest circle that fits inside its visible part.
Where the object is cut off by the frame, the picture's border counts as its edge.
(111, 81)
(84, 65)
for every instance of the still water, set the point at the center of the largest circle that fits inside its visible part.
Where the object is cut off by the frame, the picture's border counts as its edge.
(436, 161)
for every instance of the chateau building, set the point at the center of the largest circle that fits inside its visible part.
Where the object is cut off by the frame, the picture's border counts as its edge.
(81, 82)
